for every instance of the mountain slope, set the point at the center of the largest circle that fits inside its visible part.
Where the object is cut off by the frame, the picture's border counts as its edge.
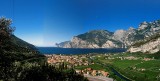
(118, 39)
(93, 39)
(22, 44)
(148, 45)
(19, 50)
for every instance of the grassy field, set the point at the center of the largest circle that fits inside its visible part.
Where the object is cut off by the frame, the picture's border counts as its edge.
(138, 70)
(123, 64)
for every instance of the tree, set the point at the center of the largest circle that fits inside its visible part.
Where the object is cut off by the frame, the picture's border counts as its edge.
(5, 38)
(5, 31)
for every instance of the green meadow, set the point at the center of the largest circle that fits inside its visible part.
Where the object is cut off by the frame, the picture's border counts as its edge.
(136, 69)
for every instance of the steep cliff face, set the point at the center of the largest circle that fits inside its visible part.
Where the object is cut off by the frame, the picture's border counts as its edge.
(79, 43)
(110, 44)
(93, 39)
(119, 35)
(149, 45)
(127, 37)
(118, 39)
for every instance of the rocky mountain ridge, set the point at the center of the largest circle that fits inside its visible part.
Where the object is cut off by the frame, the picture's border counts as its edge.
(92, 39)
(118, 39)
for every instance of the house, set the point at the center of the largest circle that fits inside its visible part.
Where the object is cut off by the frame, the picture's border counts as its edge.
(94, 73)
(89, 69)
(78, 71)
(105, 73)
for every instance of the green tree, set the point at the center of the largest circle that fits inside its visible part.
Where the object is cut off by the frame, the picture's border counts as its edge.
(5, 31)
(5, 37)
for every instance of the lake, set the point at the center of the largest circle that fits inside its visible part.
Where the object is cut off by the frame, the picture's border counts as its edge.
(55, 50)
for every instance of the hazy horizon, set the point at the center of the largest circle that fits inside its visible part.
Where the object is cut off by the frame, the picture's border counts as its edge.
(46, 22)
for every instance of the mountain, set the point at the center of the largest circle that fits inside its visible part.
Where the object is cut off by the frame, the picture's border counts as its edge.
(93, 39)
(118, 39)
(62, 44)
(148, 45)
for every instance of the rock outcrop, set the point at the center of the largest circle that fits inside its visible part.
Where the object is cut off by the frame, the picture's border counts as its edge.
(149, 45)
(110, 44)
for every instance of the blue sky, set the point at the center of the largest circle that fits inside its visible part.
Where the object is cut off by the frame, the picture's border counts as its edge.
(46, 22)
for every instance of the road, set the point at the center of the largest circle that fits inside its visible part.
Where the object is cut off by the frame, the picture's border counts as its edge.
(98, 78)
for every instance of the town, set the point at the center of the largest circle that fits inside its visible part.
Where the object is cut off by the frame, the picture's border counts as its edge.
(98, 65)
(76, 60)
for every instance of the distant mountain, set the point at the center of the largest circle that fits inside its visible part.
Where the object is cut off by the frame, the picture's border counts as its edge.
(118, 39)
(93, 39)
(62, 44)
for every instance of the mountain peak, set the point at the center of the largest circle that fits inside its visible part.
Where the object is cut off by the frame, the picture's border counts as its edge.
(143, 25)
(131, 28)
(99, 31)
(119, 34)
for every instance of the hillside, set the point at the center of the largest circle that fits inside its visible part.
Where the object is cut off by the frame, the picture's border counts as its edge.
(22, 62)
(14, 50)
(23, 44)
(9, 43)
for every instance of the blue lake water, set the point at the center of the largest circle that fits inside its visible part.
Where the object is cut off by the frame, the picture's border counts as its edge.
(55, 50)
